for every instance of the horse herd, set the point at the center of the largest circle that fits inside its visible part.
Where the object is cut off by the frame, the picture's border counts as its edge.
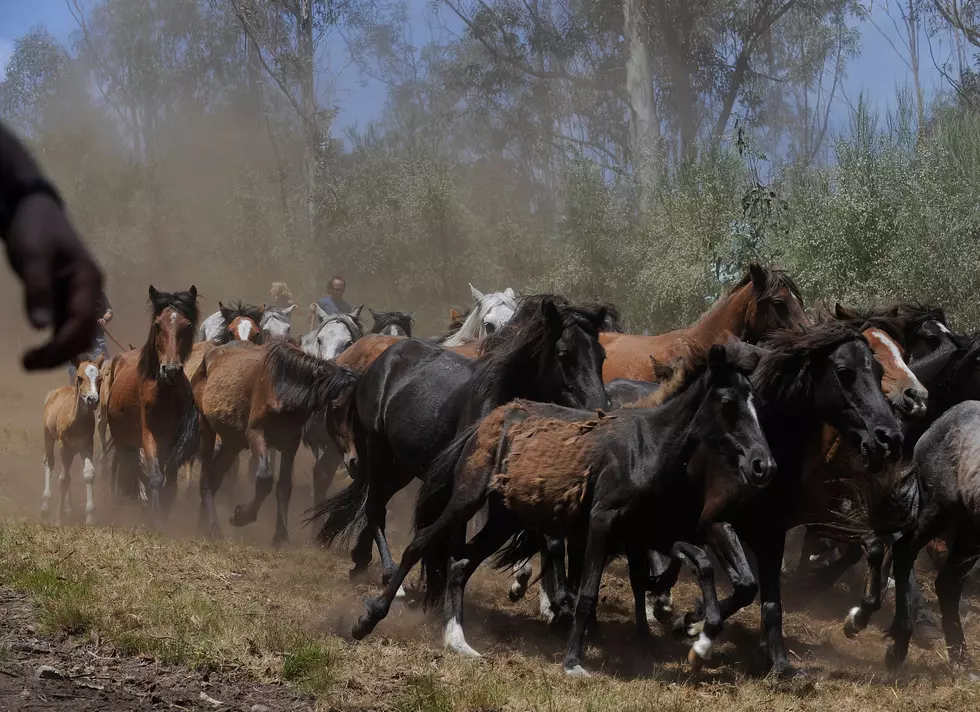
(540, 422)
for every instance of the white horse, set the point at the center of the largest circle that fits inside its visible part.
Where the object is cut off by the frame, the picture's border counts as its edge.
(275, 323)
(490, 313)
(333, 334)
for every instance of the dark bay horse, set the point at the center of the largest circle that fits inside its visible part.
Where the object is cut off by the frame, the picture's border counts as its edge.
(616, 482)
(149, 402)
(763, 300)
(393, 323)
(259, 398)
(414, 399)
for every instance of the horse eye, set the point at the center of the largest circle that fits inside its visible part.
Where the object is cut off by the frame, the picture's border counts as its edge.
(490, 327)
(846, 377)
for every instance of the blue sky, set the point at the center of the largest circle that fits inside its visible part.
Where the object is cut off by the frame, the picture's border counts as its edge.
(876, 73)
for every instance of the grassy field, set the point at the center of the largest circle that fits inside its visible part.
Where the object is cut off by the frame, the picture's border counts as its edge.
(239, 608)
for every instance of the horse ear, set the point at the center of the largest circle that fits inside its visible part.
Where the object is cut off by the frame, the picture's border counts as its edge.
(453, 314)
(760, 277)
(225, 311)
(262, 308)
(153, 293)
(477, 294)
(552, 317)
(193, 291)
(356, 311)
(661, 371)
(76, 361)
(99, 360)
(509, 293)
(289, 310)
(749, 355)
(842, 312)
(320, 313)
(374, 314)
(717, 357)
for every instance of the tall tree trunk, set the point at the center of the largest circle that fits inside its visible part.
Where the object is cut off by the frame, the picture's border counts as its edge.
(912, 23)
(644, 125)
(304, 47)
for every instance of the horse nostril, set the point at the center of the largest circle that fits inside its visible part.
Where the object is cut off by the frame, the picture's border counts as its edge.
(758, 467)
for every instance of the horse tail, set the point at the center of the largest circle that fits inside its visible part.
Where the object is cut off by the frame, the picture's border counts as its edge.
(186, 442)
(433, 498)
(521, 547)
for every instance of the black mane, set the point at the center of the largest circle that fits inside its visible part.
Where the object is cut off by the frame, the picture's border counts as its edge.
(303, 382)
(234, 311)
(382, 320)
(512, 357)
(899, 320)
(185, 304)
(785, 374)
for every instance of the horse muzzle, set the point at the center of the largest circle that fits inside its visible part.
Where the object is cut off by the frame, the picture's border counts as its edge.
(914, 404)
(758, 468)
(169, 372)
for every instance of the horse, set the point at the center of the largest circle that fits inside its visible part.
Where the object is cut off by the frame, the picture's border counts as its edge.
(333, 335)
(490, 312)
(150, 405)
(617, 482)
(763, 300)
(259, 398)
(276, 323)
(391, 323)
(942, 458)
(69, 420)
(416, 396)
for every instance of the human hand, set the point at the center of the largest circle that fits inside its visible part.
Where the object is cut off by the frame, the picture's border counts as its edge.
(62, 282)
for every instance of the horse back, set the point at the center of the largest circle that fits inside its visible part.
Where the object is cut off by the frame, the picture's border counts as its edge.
(223, 386)
(198, 352)
(628, 355)
(365, 351)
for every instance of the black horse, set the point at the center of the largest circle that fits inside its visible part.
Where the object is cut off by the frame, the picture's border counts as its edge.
(391, 323)
(416, 396)
(613, 482)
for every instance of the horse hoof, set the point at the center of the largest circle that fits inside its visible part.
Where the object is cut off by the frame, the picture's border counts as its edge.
(278, 541)
(239, 518)
(365, 624)
(686, 627)
(786, 672)
(893, 661)
(928, 632)
(576, 671)
(851, 627)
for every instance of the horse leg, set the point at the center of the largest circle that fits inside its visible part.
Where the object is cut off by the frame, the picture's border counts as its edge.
(769, 555)
(88, 474)
(263, 481)
(659, 600)
(463, 503)
(214, 464)
(154, 474)
(827, 576)
(284, 490)
(522, 576)
(48, 467)
(639, 569)
(554, 599)
(593, 562)
(64, 496)
(949, 588)
(859, 616)
(488, 540)
(904, 553)
(712, 626)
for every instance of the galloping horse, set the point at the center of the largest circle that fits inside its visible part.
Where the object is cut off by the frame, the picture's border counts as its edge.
(616, 482)
(763, 300)
(69, 419)
(490, 312)
(260, 398)
(416, 396)
(150, 405)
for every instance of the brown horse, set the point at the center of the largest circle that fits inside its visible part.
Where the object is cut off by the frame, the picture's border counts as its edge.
(260, 398)
(69, 419)
(150, 405)
(763, 300)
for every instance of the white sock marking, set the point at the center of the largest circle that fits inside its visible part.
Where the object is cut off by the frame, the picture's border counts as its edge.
(454, 639)
(702, 646)
(88, 474)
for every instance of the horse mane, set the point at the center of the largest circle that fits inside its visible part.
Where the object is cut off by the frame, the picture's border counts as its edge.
(469, 330)
(304, 382)
(352, 323)
(185, 304)
(691, 365)
(892, 324)
(513, 353)
(382, 320)
(898, 320)
(236, 310)
(785, 371)
(776, 281)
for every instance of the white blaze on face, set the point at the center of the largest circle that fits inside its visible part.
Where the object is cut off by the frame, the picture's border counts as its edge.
(173, 317)
(244, 329)
(892, 348)
(92, 374)
(752, 412)
(942, 328)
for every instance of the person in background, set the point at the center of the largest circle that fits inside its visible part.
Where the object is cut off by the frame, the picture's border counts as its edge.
(103, 311)
(334, 302)
(62, 281)
(281, 298)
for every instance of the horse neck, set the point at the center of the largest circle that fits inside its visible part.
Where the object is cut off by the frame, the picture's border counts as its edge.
(729, 314)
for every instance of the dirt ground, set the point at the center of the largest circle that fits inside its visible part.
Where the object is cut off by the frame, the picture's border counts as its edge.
(131, 620)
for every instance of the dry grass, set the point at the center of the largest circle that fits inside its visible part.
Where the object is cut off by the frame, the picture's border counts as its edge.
(282, 616)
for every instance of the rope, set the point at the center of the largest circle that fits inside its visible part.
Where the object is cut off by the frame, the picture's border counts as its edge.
(114, 339)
